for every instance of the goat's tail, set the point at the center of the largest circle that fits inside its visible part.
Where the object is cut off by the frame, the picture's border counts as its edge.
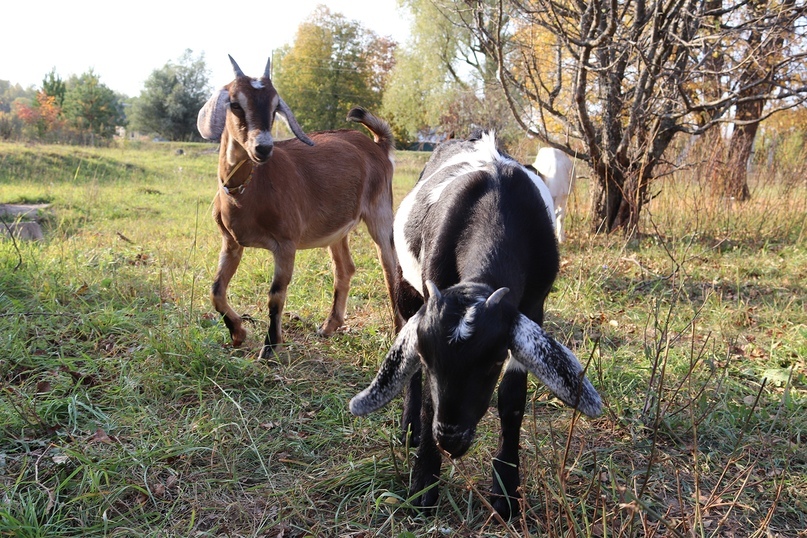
(382, 133)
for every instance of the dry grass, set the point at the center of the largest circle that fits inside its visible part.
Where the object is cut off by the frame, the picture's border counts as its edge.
(125, 412)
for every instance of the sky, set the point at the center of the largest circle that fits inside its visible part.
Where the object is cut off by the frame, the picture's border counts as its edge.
(123, 42)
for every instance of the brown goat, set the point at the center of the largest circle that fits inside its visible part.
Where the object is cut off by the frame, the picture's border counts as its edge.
(294, 194)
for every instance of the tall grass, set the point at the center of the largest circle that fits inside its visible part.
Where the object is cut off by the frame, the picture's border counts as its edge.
(125, 412)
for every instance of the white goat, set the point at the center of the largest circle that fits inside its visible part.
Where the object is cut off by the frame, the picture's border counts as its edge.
(557, 171)
(294, 194)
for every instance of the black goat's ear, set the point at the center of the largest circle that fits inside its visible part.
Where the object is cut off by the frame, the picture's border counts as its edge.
(400, 364)
(554, 364)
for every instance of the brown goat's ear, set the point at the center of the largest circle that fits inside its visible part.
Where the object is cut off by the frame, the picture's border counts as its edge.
(398, 367)
(213, 114)
(554, 364)
(284, 110)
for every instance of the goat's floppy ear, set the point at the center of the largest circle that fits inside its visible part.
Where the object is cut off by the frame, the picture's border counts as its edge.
(213, 114)
(398, 367)
(284, 110)
(554, 364)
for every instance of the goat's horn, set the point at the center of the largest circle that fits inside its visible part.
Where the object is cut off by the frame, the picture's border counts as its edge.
(236, 69)
(433, 291)
(286, 112)
(268, 71)
(496, 296)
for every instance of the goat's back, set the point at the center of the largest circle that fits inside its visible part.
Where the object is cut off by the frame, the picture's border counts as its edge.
(312, 195)
(472, 218)
(556, 169)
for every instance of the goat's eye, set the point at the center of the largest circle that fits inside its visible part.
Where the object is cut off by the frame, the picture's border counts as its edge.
(235, 107)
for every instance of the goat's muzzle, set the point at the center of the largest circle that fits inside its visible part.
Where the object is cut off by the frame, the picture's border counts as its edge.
(263, 152)
(454, 440)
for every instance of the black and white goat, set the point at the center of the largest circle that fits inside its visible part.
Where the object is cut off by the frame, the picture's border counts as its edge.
(294, 194)
(475, 239)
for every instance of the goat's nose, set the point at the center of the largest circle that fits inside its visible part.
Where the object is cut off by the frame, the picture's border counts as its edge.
(264, 151)
(453, 439)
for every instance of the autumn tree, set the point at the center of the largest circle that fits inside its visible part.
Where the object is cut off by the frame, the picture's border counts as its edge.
(172, 97)
(625, 76)
(91, 108)
(54, 86)
(443, 78)
(333, 65)
(42, 116)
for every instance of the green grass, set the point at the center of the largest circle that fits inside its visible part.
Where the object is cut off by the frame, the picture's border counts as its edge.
(125, 412)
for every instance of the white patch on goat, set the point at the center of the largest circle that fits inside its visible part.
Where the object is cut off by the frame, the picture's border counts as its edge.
(257, 84)
(465, 327)
(545, 193)
(484, 153)
(410, 264)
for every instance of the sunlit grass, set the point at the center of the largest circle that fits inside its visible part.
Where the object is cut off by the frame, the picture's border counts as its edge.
(125, 412)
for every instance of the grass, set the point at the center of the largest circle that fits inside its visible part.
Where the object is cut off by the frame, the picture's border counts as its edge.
(125, 412)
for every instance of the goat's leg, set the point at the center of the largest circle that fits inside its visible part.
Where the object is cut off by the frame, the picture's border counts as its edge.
(560, 213)
(284, 266)
(343, 271)
(410, 420)
(512, 399)
(229, 258)
(426, 470)
(381, 231)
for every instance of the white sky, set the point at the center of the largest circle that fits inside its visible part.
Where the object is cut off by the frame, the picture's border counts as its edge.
(123, 42)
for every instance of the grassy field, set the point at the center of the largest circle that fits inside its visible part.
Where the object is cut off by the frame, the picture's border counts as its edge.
(124, 411)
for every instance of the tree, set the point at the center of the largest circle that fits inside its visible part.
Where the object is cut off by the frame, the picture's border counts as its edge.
(172, 98)
(91, 107)
(333, 65)
(768, 40)
(444, 82)
(43, 115)
(54, 86)
(626, 76)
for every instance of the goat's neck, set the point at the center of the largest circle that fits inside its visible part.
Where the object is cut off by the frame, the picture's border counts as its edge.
(235, 167)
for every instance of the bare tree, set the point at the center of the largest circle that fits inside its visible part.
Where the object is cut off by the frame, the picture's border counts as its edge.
(613, 81)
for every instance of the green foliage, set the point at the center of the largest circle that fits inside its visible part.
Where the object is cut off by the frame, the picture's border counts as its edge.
(92, 108)
(171, 100)
(333, 65)
(54, 86)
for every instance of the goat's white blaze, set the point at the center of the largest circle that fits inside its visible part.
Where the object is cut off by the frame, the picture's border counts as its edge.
(257, 84)
(465, 327)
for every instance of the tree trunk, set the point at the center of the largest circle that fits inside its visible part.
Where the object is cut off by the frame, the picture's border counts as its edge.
(617, 200)
(735, 175)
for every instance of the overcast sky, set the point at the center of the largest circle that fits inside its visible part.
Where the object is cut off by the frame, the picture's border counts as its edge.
(123, 42)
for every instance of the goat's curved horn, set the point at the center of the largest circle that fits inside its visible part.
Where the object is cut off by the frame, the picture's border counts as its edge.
(236, 69)
(286, 112)
(433, 291)
(398, 367)
(268, 71)
(496, 296)
(554, 364)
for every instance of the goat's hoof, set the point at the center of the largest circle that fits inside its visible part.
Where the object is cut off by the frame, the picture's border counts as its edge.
(505, 506)
(414, 438)
(269, 349)
(328, 328)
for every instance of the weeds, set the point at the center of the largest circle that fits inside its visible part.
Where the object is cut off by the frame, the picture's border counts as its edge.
(125, 412)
